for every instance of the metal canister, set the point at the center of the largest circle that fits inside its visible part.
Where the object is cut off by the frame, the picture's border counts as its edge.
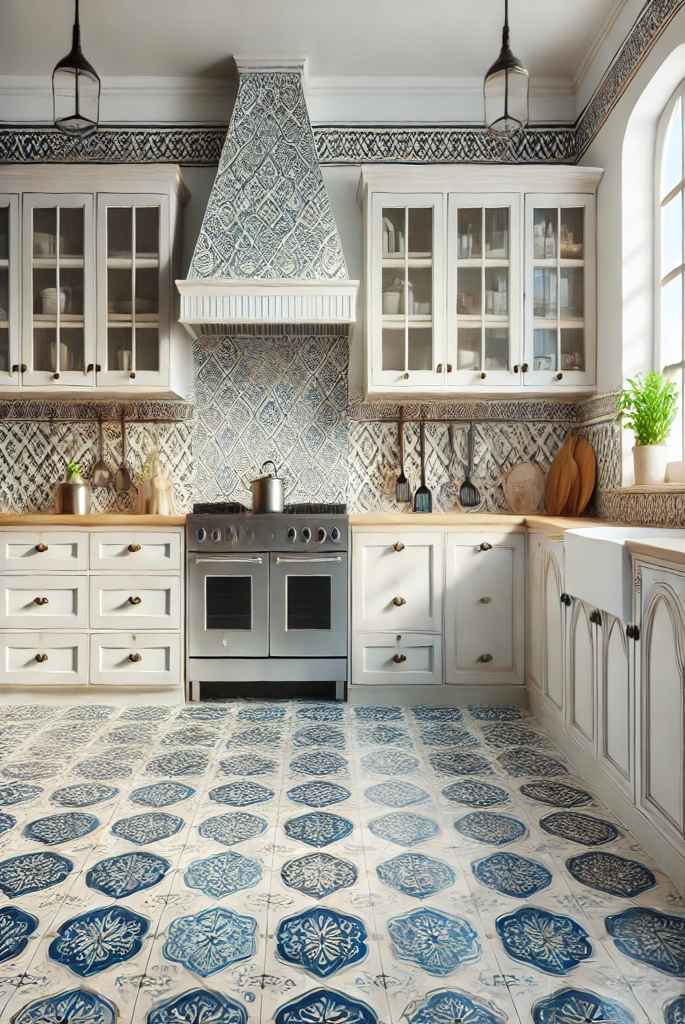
(267, 490)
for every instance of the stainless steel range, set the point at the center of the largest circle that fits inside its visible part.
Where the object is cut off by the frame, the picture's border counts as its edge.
(267, 601)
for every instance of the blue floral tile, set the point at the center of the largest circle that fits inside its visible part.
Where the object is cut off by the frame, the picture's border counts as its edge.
(650, 937)
(146, 714)
(147, 828)
(89, 712)
(7, 822)
(83, 794)
(574, 1005)
(204, 713)
(490, 827)
(16, 928)
(223, 874)
(550, 942)
(102, 767)
(196, 1006)
(416, 875)
(241, 794)
(127, 873)
(674, 1012)
(377, 713)
(512, 875)
(320, 712)
(459, 762)
(319, 794)
(32, 872)
(75, 1005)
(30, 771)
(319, 736)
(191, 736)
(210, 941)
(404, 828)
(521, 761)
(248, 764)
(161, 794)
(433, 940)
(389, 762)
(60, 828)
(447, 1006)
(322, 941)
(318, 874)
(319, 762)
(428, 713)
(325, 1006)
(378, 734)
(262, 713)
(607, 872)
(90, 943)
(18, 793)
(181, 762)
(506, 734)
(556, 794)
(579, 828)
(473, 793)
(135, 733)
(443, 734)
(496, 712)
(257, 736)
(232, 828)
(318, 828)
(396, 794)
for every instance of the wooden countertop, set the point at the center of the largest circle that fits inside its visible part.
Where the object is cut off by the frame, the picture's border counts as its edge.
(93, 519)
(536, 523)
(669, 549)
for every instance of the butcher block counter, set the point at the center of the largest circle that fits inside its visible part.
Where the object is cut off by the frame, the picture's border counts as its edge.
(505, 520)
(93, 519)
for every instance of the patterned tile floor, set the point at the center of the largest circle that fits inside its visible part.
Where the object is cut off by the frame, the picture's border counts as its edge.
(319, 864)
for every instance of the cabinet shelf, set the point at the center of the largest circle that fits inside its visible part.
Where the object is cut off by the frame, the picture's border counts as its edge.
(4, 263)
(126, 263)
(413, 262)
(50, 320)
(400, 319)
(552, 264)
(126, 319)
(50, 262)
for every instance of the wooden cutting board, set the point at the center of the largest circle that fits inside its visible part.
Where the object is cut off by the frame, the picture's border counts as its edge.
(584, 458)
(524, 488)
(562, 478)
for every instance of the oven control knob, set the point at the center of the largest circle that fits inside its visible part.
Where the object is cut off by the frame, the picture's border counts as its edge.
(335, 534)
(321, 535)
(292, 534)
(306, 535)
(231, 534)
(201, 534)
(216, 535)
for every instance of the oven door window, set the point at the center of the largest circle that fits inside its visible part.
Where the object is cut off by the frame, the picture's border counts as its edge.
(308, 603)
(228, 602)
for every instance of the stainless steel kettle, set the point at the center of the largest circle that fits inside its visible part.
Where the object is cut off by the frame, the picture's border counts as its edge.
(267, 490)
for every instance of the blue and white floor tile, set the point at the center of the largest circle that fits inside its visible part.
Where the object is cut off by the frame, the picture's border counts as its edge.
(314, 863)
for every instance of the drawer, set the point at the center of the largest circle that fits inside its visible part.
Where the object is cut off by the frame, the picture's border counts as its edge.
(135, 602)
(397, 580)
(135, 551)
(43, 551)
(394, 659)
(135, 659)
(50, 659)
(44, 602)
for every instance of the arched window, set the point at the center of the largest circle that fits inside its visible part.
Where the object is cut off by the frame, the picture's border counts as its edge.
(669, 301)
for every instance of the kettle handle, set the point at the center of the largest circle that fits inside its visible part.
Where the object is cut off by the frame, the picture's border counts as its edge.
(269, 462)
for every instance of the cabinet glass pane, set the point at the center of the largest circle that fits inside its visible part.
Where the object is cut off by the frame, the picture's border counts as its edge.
(4, 350)
(45, 349)
(71, 223)
(545, 293)
(147, 232)
(45, 296)
(393, 291)
(421, 232)
(420, 348)
(572, 348)
(572, 293)
(71, 284)
(671, 341)
(147, 292)
(120, 348)
(420, 291)
(497, 234)
(147, 348)
(119, 232)
(71, 349)
(545, 232)
(468, 348)
(4, 232)
(469, 234)
(469, 298)
(44, 232)
(4, 296)
(497, 291)
(393, 231)
(572, 233)
(672, 234)
(119, 292)
(393, 349)
(496, 348)
(545, 349)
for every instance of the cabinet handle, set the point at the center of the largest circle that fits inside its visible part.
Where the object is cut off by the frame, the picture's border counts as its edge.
(524, 367)
(405, 376)
(40, 601)
(398, 546)
(485, 546)
(56, 376)
(558, 376)
(132, 375)
(98, 368)
(23, 367)
(41, 548)
(484, 658)
(596, 617)
(438, 368)
(133, 548)
(90, 367)
(483, 375)
(135, 600)
(449, 367)
(135, 657)
(15, 367)
(565, 599)
(485, 600)
(399, 658)
(399, 601)
(633, 632)
(516, 367)
(40, 658)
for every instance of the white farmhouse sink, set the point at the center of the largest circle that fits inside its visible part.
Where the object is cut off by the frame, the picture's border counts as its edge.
(598, 566)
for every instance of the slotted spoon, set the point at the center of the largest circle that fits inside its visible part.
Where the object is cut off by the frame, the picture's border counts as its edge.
(469, 495)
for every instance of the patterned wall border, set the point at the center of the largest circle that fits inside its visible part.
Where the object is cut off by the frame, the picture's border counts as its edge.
(522, 410)
(25, 144)
(34, 409)
(598, 408)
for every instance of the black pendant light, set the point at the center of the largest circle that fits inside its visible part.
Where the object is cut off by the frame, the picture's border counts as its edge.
(75, 89)
(505, 89)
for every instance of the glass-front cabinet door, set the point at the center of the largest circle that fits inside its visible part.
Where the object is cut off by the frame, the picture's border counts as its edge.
(560, 291)
(483, 290)
(58, 290)
(133, 290)
(406, 311)
(10, 363)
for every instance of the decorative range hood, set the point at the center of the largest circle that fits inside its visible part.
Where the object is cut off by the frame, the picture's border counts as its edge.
(269, 254)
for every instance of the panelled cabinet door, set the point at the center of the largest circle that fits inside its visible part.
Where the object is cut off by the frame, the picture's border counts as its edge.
(560, 314)
(398, 580)
(405, 307)
(10, 363)
(484, 608)
(535, 617)
(581, 676)
(616, 703)
(134, 289)
(58, 285)
(554, 628)
(484, 290)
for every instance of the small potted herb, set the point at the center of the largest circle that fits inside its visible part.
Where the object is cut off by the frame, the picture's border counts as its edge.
(72, 496)
(648, 405)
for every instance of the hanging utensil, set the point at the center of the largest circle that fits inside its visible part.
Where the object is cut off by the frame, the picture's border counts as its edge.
(402, 489)
(102, 474)
(122, 478)
(469, 495)
(423, 499)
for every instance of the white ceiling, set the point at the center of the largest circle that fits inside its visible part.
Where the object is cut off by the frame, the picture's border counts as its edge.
(451, 38)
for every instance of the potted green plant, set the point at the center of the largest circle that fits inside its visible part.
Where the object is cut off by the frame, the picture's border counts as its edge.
(72, 496)
(648, 405)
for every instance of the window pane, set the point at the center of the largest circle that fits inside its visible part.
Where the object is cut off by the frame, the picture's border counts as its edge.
(672, 234)
(672, 156)
(675, 441)
(671, 341)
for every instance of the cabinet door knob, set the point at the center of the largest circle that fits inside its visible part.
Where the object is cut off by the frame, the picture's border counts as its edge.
(399, 601)
(558, 376)
(524, 367)
(41, 548)
(483, 375)
(134, 656)
(438, 368)
(56, 376)
(98, 368)
(516, 367)
(565, 599)
(90, 367)
(484, 658)
(399, 658)
(15, 367)
(485, 600)
(40, 658)
(40, 601)
(24, 367)
(485, 546)
(132, 375)
(135, 600)
(133, 548)
(405, 376)
(449, 367)
(398, 546)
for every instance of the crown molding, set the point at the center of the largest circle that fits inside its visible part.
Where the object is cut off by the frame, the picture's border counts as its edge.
(598, 42)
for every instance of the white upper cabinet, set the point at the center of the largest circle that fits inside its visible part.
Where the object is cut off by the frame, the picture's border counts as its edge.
(10, 368)
(479, 279)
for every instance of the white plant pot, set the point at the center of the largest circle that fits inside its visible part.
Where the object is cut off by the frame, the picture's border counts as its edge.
(649, 461)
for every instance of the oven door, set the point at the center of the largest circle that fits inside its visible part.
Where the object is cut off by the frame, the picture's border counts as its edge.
(309, 606)
(228, 606)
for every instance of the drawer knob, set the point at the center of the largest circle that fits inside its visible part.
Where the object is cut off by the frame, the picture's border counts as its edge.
(133, 548)
(565, 599)
(40, 601)
(485, 600)
(399, 658)
(41, 548)
(135, 600)
(596, 617)
(633, 632)
(399, 601)
(398, 546)
(40, 658)
(485, 658)
(134, 656)
(485, 546)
